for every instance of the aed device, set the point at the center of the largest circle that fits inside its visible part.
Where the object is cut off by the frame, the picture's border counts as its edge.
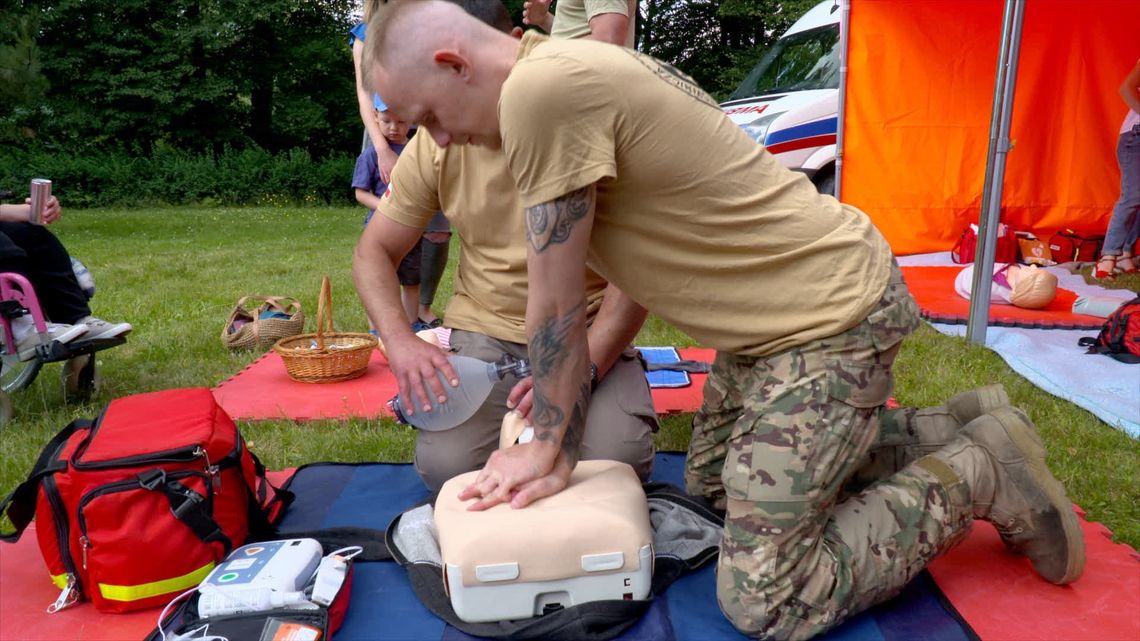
(261, 576)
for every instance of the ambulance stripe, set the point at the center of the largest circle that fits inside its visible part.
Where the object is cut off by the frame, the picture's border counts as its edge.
(808, 129)
(802, 143)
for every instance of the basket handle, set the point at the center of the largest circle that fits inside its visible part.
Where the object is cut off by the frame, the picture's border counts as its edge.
(286, 304)
(324, 313)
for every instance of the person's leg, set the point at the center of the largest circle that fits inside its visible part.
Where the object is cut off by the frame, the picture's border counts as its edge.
(1128, 261)
(408, 273)
(1123, 222)
(443, 455)
(47, 266)
(713, 424)
(906, 434)
(435, 246)
(793, 563)
(621, 419)
(410, 297)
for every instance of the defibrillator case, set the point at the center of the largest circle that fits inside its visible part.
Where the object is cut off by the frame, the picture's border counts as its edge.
(590, 542)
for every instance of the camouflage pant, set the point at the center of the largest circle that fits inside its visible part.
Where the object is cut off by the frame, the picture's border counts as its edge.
(774, 443)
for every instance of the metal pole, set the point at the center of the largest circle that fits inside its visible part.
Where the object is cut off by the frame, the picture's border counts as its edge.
(844, 31)
(995, 171)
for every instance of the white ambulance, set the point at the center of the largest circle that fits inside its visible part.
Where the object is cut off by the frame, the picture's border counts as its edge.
(790, 100)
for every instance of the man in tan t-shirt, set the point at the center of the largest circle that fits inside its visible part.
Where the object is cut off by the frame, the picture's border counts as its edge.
(610, 21)
(798, 293)
(486, 313)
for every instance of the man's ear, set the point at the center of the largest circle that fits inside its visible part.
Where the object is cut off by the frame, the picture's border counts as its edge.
(517, 32)
(454, 61)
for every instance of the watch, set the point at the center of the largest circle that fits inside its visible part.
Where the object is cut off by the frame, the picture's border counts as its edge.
(593, 376)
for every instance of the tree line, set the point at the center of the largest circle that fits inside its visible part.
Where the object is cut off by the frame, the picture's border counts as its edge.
(140, 77)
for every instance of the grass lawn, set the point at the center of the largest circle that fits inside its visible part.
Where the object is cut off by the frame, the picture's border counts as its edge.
(176, 273)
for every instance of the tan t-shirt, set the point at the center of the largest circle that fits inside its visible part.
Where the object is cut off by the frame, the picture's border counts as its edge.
(572, 17)
(475, 191)
(694, 220)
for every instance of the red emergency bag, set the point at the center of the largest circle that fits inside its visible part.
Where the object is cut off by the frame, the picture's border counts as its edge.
(1120, 335)
(137, 506)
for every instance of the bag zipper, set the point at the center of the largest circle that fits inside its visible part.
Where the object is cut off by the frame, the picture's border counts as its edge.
(184, 454)
(71, 592)
(121, 486)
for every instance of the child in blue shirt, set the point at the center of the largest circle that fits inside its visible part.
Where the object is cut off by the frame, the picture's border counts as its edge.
(369, 186)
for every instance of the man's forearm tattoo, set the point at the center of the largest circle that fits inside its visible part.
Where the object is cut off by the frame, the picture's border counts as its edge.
(548, 349)
(576, 426)
(550, 223)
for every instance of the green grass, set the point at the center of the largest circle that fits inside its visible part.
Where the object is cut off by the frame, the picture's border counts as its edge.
(176, 273)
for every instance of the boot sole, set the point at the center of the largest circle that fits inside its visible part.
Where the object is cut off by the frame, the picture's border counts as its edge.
(1021, 431)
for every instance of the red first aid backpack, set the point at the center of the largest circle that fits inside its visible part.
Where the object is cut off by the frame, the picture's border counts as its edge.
(137, 506)
(1120, 336)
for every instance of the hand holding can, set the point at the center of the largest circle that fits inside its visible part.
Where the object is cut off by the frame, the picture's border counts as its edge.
(40, 194)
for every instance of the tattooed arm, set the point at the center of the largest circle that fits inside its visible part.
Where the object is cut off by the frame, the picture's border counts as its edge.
(614, 328)
(558, 233)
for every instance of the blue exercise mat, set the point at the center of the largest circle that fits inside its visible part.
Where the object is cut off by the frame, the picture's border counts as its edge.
(664, 377)
(384, 608)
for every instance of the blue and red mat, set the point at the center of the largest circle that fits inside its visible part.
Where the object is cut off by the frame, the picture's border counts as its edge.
(977, 591)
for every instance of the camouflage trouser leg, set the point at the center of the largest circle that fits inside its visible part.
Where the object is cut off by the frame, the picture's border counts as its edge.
(775, 441)
(905, 435)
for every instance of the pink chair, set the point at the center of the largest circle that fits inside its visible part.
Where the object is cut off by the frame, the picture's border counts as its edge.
(80, 377)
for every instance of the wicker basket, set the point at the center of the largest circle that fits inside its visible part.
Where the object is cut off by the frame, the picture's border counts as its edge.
(327, 356)
(254, 332)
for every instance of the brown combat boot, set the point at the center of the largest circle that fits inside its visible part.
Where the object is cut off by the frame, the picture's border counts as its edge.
(907, 434)
(1002, 459)
(967, 406)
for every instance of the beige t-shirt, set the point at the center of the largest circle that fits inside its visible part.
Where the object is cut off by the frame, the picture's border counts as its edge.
(694, 220)
(475, 191)
(572, 17)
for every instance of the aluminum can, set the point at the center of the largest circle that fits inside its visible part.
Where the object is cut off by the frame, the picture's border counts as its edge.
(41, 193)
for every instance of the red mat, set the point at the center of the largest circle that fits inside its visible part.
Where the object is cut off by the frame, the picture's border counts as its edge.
(995, 592)
(933, 289)
(1001, 598)
(264, 391)
(26, 592)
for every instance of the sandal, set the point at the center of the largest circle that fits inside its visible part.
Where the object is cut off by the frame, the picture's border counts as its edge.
(1126, 264)
(1104, 267)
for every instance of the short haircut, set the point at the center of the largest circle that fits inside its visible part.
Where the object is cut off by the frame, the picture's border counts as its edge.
(375, 42)
(491, 12)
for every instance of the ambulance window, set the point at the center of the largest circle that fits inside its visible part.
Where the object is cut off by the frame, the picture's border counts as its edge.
(799, 62)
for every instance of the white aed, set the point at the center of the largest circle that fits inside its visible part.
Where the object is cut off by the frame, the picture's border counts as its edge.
(590, 542)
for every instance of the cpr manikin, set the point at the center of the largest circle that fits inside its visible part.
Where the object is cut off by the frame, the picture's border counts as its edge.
(1025, 286)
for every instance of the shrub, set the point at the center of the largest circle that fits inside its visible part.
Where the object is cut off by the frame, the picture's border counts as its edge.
(168, 176)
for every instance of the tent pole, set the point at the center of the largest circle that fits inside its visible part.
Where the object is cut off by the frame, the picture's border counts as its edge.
(1004, 85)
(844, 31)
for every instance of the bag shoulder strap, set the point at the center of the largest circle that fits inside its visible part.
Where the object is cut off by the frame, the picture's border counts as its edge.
(20, 505)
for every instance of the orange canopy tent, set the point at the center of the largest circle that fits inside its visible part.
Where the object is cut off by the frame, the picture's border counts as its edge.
(919, 100)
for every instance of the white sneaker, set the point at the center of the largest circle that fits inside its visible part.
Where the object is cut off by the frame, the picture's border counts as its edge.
(98, 328)
(27, 342)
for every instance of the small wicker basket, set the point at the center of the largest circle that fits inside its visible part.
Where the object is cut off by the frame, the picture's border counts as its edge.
(327, 356)
(245, 329)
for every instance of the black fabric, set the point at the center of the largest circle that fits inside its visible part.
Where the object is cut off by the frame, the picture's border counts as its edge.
(195, 511)
(20, 504)
(35, 253)
(1119, 337)
(332, 539)
(236, 627)
(592, 621)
